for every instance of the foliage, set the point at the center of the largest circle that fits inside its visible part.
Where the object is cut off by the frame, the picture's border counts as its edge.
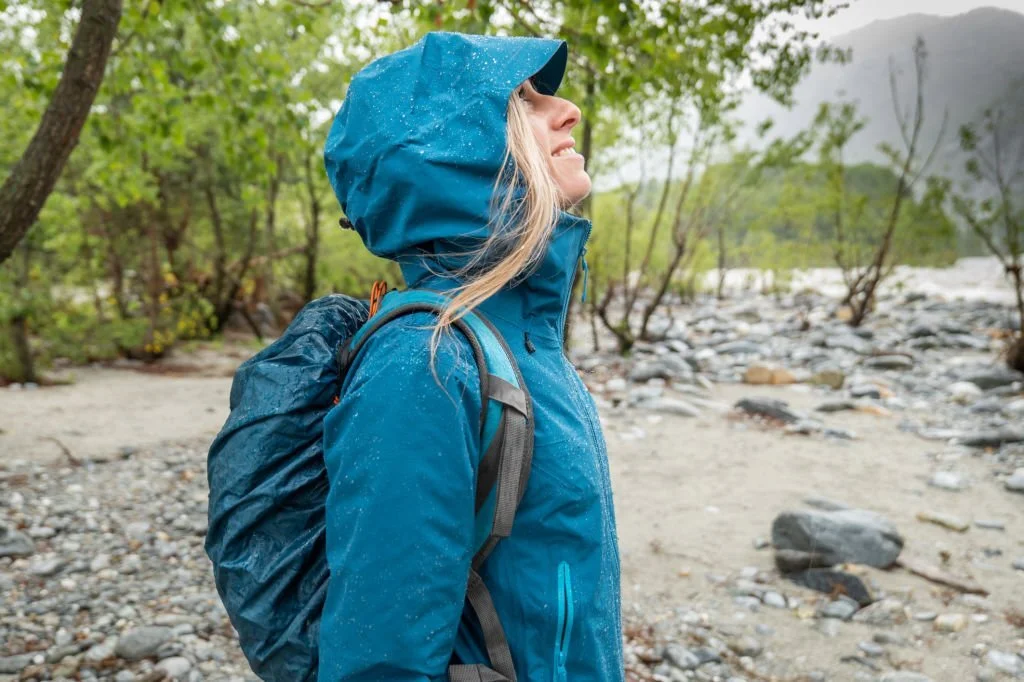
(992, 203)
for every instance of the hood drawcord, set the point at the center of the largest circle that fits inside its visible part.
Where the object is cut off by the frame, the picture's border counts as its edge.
(586, 273)
(530, 348)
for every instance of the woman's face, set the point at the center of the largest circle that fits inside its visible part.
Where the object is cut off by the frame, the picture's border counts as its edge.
(552, 119)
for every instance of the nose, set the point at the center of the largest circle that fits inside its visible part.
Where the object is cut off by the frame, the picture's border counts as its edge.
(567, 115)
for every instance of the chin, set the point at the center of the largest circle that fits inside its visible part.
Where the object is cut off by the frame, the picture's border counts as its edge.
(576, 189)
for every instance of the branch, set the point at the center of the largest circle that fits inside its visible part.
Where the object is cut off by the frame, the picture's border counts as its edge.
(34, 176)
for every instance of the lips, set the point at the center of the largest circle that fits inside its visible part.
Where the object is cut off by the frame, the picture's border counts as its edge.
(566, 148)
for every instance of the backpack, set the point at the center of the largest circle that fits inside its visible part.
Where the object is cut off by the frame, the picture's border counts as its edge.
(268, 481)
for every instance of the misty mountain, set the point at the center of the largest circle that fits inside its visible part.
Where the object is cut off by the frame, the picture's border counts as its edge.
(974, 59)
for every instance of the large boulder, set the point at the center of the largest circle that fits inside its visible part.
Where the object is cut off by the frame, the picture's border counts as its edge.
(846, 536)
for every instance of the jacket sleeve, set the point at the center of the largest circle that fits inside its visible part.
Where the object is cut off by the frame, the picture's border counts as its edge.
(401, 455)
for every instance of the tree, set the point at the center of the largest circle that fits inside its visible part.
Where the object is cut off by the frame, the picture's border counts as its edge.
(632, 56)
(910, 165)
(33, 177)
(992, 204)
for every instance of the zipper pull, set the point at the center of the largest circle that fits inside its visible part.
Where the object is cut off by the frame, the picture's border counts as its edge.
(530, 348)
(586, 273)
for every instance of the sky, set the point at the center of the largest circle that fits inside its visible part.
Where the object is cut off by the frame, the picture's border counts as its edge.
(862, 12)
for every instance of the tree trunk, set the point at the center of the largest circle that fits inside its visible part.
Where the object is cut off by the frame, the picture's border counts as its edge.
(719, 294)
(34, 175)
(19, 325)
(312, 235)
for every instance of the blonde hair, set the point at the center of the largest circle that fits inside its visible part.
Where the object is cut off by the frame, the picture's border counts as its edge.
(525, 205)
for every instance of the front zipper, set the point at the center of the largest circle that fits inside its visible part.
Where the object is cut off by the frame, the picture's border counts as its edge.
(601, 453)
(565, 618)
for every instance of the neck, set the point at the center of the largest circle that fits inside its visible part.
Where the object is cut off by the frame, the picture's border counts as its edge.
(535, 307)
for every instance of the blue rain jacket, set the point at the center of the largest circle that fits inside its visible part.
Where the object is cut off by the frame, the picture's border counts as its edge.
(412, 156)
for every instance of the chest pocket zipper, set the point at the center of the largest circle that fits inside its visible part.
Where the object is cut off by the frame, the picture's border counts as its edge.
(565, 618)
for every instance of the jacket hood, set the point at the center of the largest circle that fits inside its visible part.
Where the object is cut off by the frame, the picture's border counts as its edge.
(415, 149)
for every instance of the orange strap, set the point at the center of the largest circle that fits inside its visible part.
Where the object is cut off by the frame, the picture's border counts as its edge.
(380, 287)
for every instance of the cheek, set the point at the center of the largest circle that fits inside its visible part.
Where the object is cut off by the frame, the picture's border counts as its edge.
(540, 131)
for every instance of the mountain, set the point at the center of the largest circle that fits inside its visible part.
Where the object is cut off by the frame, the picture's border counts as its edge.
(973, 60)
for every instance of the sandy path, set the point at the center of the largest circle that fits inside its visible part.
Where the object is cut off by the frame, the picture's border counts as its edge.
(703, 489)
(106, 410)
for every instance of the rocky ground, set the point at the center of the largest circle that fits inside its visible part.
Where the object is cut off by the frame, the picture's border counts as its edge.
(796, 501)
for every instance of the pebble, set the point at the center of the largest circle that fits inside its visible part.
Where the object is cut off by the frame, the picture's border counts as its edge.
(1010, 664)
(841, 608)
(871, 649)
(990, 524)
(143, 641)
(175, 667)
(947, 480)
(951, 622)
(1015, 483)
(747, 646)
(945, 520)
(14, 543)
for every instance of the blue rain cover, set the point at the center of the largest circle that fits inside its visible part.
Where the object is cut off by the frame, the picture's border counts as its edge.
(268, 487)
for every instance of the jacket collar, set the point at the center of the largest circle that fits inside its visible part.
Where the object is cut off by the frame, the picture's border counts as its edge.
(535, 307)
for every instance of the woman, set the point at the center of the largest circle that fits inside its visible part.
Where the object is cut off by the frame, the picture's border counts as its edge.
(454, 158)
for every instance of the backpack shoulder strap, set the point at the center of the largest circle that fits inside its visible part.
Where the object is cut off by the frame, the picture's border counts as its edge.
(507, 426)
(506, 420)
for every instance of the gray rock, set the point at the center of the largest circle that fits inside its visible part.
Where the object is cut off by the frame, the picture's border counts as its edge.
(853, 535)
(991, 438)
(836, 406)
(865, 391)
(15, 664)
(892, 362)
(175, 667)
(993, 377)
(990, 524)
(872, 649)
(681, 657)
(674, 406)
(990, 405)
(138, 643)
(829, 581)
(842, 608)
(59, 653)
(775, 600)
(769, 407)
(14, 543)
(668, 367)
(1015, 483)
(1011, 664)
(963, 391)
(947, 480)
(882, 613)
(741, 348)
(102, 651)
(44, 567)
(849, 342)
(922, 330)
(747, 646)
(889, 638)
(1018, 564)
